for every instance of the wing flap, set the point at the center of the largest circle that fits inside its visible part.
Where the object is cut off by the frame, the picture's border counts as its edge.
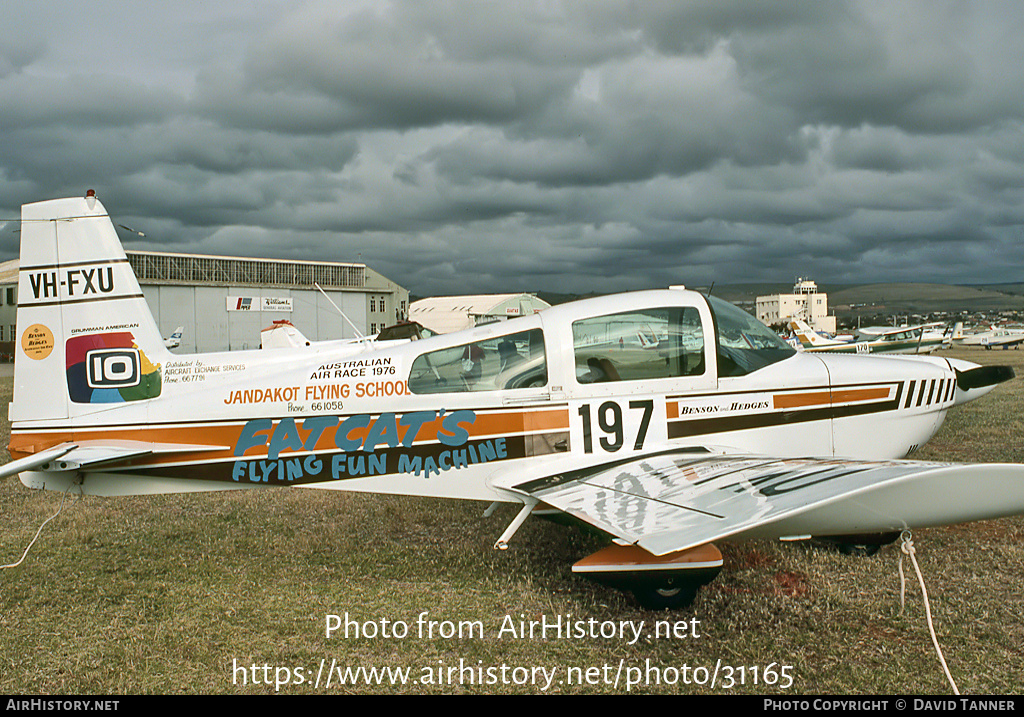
(675, 501)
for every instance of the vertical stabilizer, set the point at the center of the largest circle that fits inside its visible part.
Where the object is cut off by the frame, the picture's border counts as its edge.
(86, 337)
(808, 337)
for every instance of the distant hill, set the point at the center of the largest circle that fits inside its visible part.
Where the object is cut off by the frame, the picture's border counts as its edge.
(922, 299)
(553, 298)
(742, 293)
(1015, 288)
(910, 298)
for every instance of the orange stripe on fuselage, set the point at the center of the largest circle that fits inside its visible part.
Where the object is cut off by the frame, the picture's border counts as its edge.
(485, 424)
(820, 398)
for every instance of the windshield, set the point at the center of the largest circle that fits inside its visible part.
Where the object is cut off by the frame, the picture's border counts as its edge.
(744, 343)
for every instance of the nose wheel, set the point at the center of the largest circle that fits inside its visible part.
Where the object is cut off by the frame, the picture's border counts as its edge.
(665, 597)
(658, 582)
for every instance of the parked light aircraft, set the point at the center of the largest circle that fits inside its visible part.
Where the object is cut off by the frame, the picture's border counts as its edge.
(936, 333)
(900, 340)
(174, 340)
(1005, 338)
(722, 431)
(282, 334)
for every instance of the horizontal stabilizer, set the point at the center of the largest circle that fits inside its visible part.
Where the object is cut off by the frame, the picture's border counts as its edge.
(57, 467)
(36, 460)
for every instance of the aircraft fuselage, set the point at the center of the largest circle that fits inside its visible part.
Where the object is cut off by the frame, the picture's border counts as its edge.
(437, 417)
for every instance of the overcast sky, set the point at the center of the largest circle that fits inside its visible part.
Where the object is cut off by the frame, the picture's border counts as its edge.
(462, 147)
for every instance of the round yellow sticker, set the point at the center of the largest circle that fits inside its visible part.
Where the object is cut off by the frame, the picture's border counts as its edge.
(37, 342)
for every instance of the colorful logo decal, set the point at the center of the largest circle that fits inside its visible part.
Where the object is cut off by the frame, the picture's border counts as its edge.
(37, 342)
(109, 368)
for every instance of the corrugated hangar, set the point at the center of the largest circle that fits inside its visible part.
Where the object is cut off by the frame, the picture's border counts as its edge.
(222, 303)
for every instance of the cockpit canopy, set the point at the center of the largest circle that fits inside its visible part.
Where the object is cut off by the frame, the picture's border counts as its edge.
(744, 343)
(639, 344)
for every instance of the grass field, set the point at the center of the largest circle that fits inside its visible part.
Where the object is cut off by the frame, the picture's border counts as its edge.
(187, 594)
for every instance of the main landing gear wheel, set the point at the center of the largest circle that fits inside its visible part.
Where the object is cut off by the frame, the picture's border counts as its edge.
(665, 597)
(861, 544)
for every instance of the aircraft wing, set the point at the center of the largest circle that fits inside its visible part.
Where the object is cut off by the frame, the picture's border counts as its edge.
(681, 499)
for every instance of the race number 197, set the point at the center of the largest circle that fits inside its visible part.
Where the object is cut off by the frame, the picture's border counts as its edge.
(611, 427)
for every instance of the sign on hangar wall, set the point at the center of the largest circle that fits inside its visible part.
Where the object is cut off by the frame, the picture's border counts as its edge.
(259, 303)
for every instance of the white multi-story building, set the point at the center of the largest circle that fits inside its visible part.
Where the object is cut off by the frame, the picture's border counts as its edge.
(805, 303)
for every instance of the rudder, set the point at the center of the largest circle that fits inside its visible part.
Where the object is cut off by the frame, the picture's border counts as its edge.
(86, 337)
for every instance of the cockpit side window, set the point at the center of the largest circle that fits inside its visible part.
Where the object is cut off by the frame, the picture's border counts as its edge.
(744, 343)
(514, 361)
(639, 345)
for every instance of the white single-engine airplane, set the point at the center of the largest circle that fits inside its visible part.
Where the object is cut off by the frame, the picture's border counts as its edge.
(720, 431)
(174, 340)
(902, 340)
(1006, 338)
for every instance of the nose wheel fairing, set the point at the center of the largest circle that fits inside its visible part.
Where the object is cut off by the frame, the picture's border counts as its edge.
(657, 582)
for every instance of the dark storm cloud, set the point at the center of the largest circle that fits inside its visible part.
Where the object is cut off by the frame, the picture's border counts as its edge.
(402, 66)
(17, 52)
(586, 146)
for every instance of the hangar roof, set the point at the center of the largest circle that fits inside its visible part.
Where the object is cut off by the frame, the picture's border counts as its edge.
(152, 266)
(9, 272)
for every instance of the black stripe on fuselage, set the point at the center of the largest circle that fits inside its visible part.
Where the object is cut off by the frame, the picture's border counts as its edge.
(725, 424)
(65, 302)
